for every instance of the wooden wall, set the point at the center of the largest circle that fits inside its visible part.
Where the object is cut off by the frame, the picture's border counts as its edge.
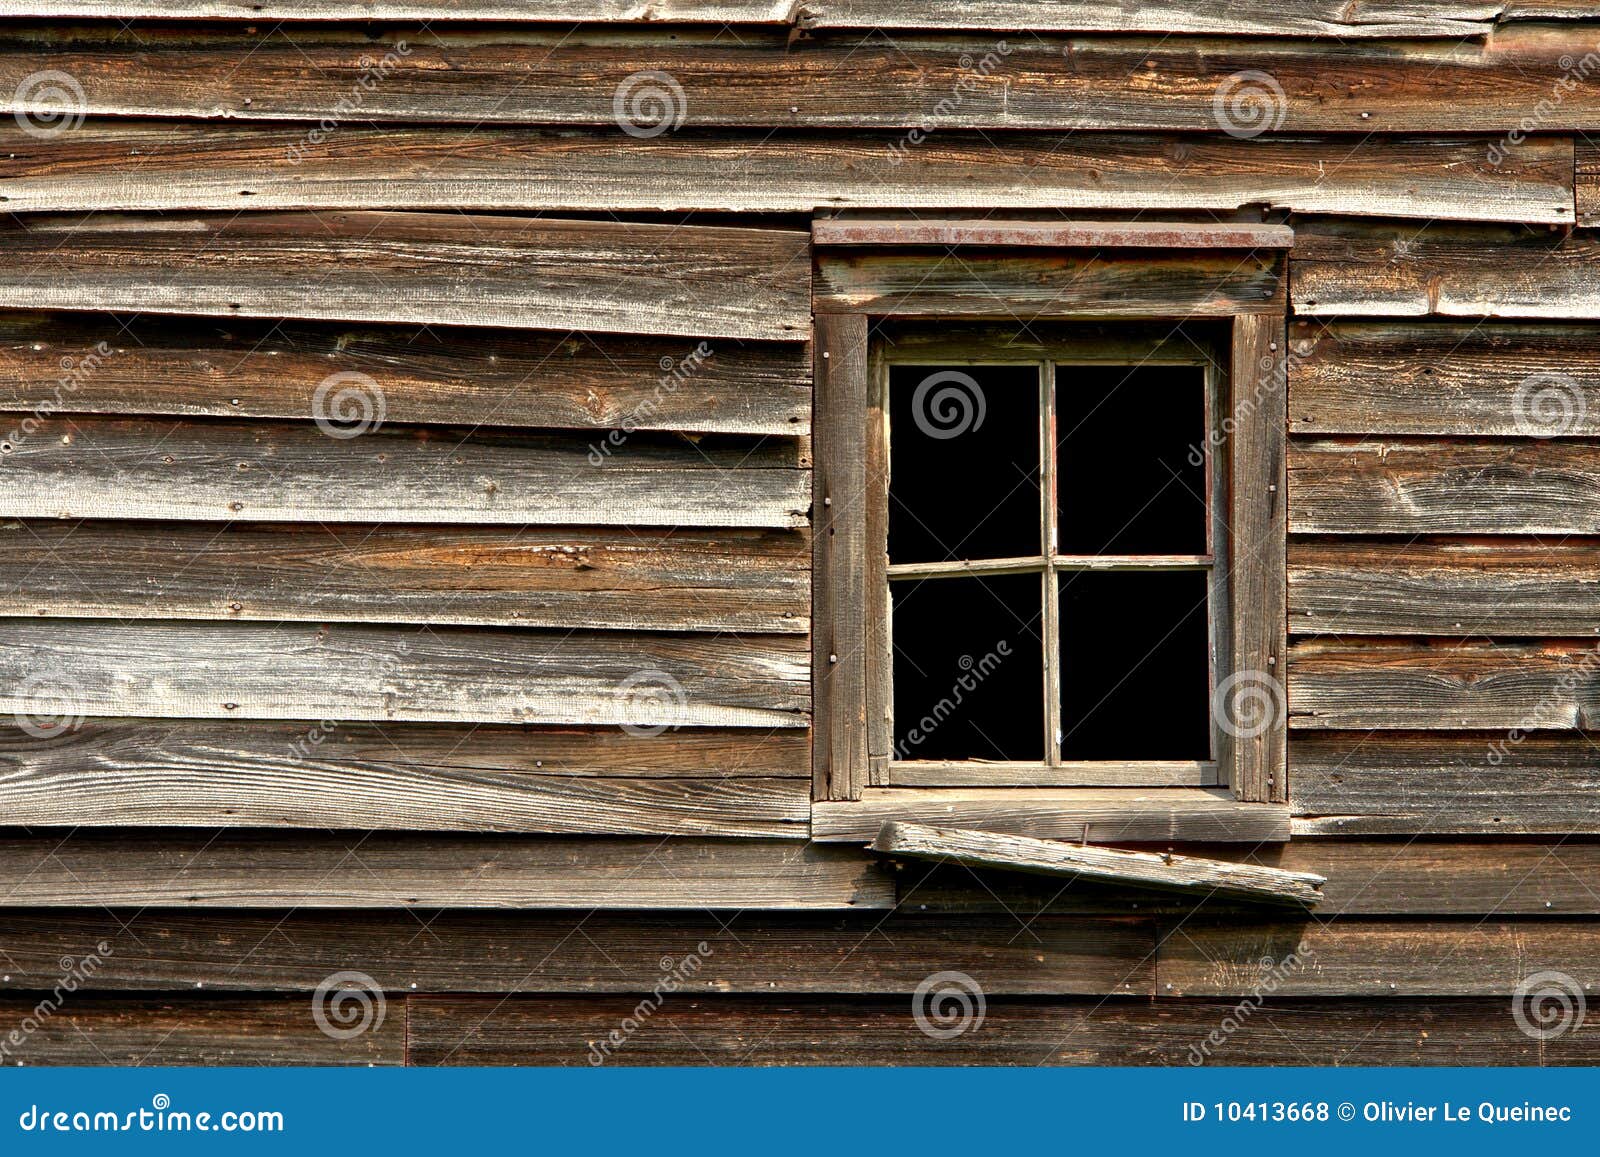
(510, 714)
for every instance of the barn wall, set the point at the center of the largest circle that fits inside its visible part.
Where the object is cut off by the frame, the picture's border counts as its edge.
(392, 702)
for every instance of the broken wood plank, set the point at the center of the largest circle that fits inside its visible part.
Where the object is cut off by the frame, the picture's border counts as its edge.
(1515, 588)
(258, 868)
(1512, 486)
(1165, 872)
(872, 230)
(123, 166)
(432, 268)
(1102, 815)
(682, 580)
(67, 669)
(350, 470)
(132, 366)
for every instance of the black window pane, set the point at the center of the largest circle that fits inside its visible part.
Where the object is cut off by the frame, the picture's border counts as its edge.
(1131, 473)
(1135, 672)
(968, 668)
(963, 462)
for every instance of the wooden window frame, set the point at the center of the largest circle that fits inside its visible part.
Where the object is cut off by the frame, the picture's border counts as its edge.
(1066, 273)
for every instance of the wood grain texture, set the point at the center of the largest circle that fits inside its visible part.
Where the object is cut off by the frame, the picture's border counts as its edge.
(768, 79)
(558, 11)
(868, 230)
(433, 268)
(198, 470)
(83, 667)
(1022, 286)
(1463, 379)
(1512, 588)
(1105, 815)
(1588, 184)
(628, 952)
(750, 581)
(56, 363)
(533, 1030)
(1506, 783)
(183, 868)
(118, 166)
(1374, 958)
(1510, 486)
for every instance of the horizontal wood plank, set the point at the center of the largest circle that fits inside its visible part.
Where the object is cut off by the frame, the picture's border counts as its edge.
(1512, 486)
(868, 230)
(433, 268)
(85, 364)
(110, 165)
(750, 581)
(199, 470)
(70, 669)
(184, 868)
(1103, 815)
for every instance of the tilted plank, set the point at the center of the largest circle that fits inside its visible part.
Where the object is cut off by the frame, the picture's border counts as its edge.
(198, 470)
(752, 581)
(449, 269)
(547, 11)
(1026, 285)
(582, 952)
(1375, 958)
(1164, 872)
(1506, 783)
(1515, 486)
(69, 363)
(94, 867)
(131, 166)
(1103, 815)
(747, 1030)
(73, 668)
(1459, 378)
(1510, 588)
(1444, 686)
(768, 79)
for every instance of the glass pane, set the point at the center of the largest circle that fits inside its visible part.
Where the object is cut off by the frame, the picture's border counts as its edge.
(969, 668)
(1131, 473)
(963, 462)
(1135, 672)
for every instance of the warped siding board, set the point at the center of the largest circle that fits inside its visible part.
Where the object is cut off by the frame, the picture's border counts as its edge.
(581, 952)
(1474, 588)
(1023, 285)
(1373, 958)
(1486, 783)
(749, 581)
(742, 1030)
(1461, 379)
(252, 369)
(1513, 486)
(433, 268)
(204, 470)
(79, 667)
(170, 868)
(767, 79)
(197, 1030)
(1102, 815)
(1447, 686)
(224, 167)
